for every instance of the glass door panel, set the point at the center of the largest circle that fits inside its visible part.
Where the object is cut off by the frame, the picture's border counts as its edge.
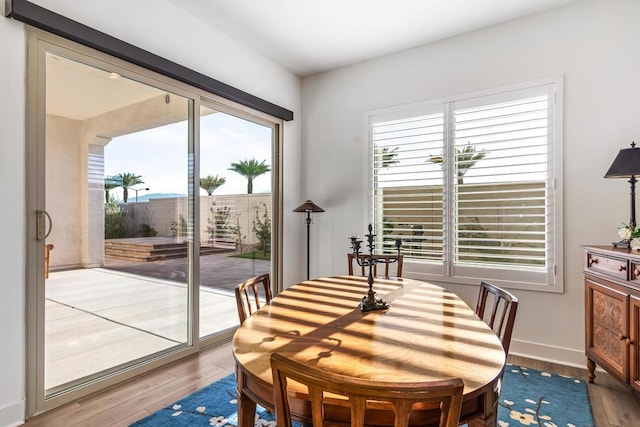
(236, 212)
(116, 189)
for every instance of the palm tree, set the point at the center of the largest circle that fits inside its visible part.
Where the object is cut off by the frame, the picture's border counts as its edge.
(210, 183)
(465, 159)
(250, 169)
(110, 182)
(127, 180)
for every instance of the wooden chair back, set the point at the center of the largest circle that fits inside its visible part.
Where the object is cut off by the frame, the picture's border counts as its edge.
(357, 394)
(47, 253)
(252, 294)
(497, 308)
(384, 268)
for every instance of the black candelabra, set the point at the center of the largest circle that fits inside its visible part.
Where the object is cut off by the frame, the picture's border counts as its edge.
(369, 302)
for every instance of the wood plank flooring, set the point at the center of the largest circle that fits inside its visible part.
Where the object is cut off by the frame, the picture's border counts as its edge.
(121, 405)
(613, 405)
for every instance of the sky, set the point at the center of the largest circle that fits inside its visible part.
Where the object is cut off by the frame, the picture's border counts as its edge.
(160, 155)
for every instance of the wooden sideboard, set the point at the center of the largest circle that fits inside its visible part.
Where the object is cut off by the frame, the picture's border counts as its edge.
(612, 312)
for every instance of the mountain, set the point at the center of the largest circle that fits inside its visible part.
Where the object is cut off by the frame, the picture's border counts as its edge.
(146, 197)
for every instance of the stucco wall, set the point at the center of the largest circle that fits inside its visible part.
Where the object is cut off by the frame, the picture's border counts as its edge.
(165, 214)
(593, 44)
(65, 189)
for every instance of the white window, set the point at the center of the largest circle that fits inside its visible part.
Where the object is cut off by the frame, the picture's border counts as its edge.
(471, 186)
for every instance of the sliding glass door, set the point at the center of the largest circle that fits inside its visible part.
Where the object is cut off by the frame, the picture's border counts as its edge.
(107, 304)
(150, 203)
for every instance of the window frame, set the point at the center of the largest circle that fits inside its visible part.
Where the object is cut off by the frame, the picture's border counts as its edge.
(551, 280)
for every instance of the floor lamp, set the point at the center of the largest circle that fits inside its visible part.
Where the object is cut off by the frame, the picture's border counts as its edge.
(308, 207)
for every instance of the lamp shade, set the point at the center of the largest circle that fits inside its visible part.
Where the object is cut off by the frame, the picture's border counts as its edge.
(626, 164)
(308, 206)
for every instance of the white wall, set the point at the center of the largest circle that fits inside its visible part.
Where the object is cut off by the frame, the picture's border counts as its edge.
(162, 28)
(594, 44)
(12, 246)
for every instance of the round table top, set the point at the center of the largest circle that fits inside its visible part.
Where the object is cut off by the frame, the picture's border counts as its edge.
(427, 334)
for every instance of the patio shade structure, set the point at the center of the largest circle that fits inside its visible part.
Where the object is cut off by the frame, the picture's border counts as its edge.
(308, 207)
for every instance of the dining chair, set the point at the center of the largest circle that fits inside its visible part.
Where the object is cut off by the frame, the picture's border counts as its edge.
(497, 308)
(249, 298)
(364, 270)
(356, 393)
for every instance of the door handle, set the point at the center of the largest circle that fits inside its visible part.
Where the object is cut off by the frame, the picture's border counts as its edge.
(42, 217)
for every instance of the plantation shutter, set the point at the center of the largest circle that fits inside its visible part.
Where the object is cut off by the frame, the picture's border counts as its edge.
(501, 147)
(407, 188)
(469, 185)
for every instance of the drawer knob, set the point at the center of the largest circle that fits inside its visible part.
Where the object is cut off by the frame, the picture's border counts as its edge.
(626, 340)
(622, 267)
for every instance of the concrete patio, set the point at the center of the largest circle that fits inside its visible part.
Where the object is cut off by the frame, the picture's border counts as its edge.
(99, 318)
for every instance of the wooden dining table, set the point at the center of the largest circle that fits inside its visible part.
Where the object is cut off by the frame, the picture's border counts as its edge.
(427, 334)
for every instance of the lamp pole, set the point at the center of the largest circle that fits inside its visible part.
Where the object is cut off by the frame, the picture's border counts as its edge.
(308, 240)
(308, 207)
(138, 189)
(632, 220)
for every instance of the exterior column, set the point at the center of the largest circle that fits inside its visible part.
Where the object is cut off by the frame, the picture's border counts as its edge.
(94, 238)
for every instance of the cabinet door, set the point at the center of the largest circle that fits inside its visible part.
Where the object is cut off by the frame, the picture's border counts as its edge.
(634, 337)
(607, 326)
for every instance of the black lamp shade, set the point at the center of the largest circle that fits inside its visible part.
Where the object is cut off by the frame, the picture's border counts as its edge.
(626, 164)
(308, 206)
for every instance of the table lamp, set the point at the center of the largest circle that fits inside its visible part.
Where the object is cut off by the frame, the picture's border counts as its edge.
(627, 165)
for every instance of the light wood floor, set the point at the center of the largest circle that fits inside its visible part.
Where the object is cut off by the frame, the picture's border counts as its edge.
(122, 405)
(613, 405)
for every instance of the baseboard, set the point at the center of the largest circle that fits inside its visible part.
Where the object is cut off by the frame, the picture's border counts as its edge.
(548, 353)
(12, 415)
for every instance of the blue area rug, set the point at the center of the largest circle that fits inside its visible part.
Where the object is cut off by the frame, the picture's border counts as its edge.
(529, 397)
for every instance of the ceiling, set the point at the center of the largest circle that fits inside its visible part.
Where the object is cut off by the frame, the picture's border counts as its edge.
(303, 36)
(78, 91)
(308, 37)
